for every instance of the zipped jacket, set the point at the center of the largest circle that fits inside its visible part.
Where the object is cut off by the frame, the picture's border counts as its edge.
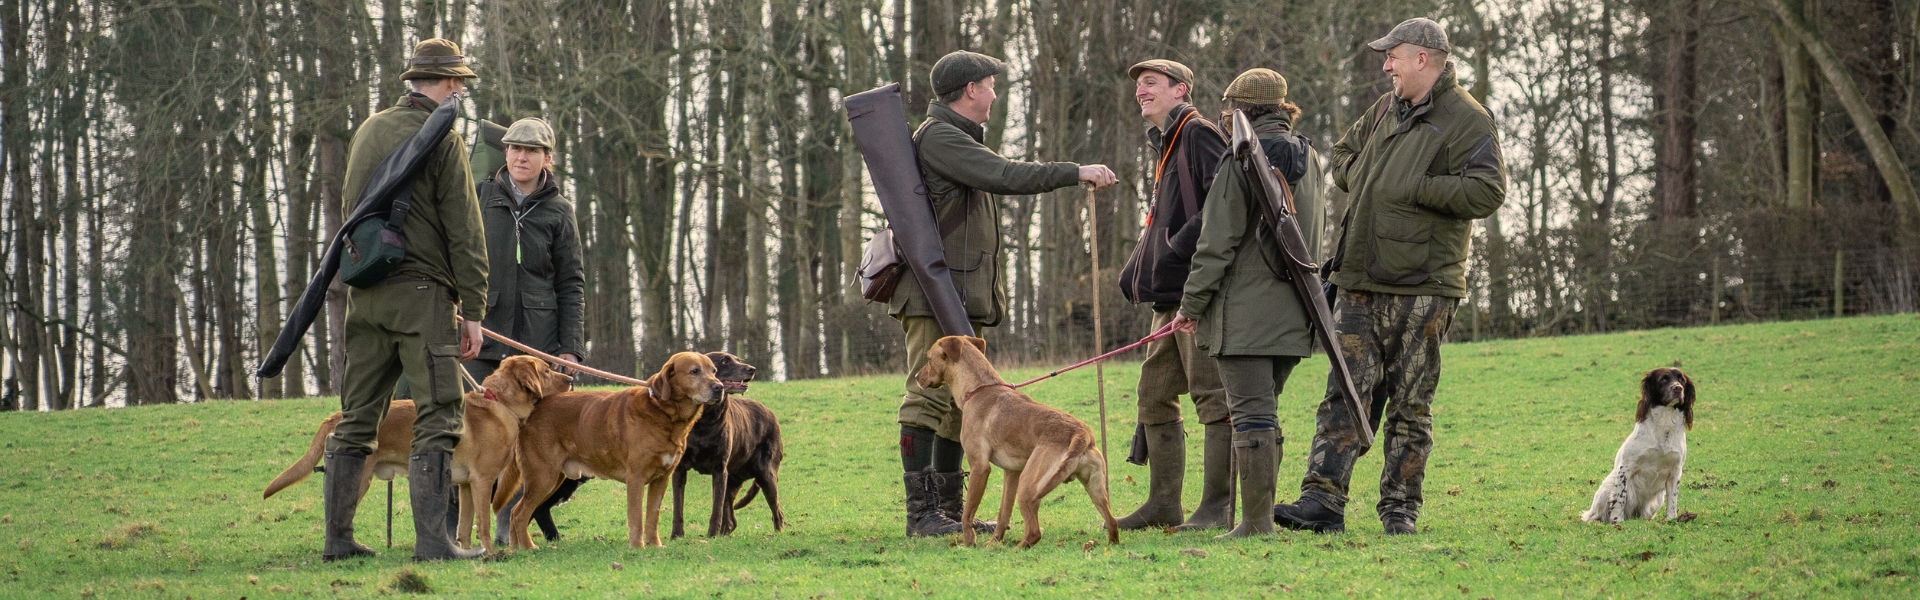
(537, 286)
(1234, 288)
(1183, 169)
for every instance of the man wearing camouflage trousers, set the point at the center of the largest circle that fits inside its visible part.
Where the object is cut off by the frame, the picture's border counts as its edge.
(1421, 164)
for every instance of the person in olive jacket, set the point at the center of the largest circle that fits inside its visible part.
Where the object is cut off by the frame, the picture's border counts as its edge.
(1186, 149)
(1236, 303)
(420, 323)
(959, 172)
(536, 285)
(1421, 164)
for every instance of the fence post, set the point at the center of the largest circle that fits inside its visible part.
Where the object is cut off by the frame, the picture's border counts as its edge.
(1839, 284)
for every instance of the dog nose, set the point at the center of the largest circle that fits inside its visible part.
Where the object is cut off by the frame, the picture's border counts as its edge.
(751, 371)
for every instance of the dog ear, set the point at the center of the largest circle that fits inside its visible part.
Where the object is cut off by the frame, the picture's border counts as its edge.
(530, 378)
(1649, 390)
(1686, 402)
(980, 343)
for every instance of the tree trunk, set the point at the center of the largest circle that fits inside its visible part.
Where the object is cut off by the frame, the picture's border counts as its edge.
(1676, 101)
(1899, 183)
(1797, 93)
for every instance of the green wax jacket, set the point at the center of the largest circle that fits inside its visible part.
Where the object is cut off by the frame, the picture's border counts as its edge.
(537, 285)
(955, 164)
(1418, 181)
(445, 242)
(1242, 305)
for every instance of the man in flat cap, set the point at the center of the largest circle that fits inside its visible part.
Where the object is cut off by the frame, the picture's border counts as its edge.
(406, 325)
(1421, 164)
(960, 172)
(1186, 148)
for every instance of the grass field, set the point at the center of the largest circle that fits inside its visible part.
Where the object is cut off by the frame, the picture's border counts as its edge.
(1802, 473)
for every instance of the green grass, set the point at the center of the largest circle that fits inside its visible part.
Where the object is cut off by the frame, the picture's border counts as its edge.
(1803, 474)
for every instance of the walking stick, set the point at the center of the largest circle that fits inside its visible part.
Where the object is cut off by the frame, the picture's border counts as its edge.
(1099, 370)
(389, 513)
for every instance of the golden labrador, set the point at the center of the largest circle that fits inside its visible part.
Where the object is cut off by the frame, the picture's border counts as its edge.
(635, 436)
(492, 428)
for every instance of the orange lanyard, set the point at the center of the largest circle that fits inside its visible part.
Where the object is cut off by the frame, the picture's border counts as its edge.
(1171, 140)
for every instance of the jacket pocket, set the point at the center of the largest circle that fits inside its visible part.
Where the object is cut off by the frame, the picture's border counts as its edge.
(1400, 248)
(540, 312)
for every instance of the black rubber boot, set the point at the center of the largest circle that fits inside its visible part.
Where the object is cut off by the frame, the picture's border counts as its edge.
(429, 484)
(1308, 514)
(1398, 524)
(1166, 473)
(1216, 497)
(1254, 458)
(952, 488)
(924, 517)
(342, 497)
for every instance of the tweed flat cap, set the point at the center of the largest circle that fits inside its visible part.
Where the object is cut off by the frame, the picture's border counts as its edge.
(435, 58)
(1179, 72)
(1257, 86)
(1419, 31)
(530, 132)
(960, 67)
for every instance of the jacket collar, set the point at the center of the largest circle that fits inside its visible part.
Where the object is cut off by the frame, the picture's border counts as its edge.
(1446, 84)
(1158, 131)
(502, 181)
(939, 111)
(417, 100)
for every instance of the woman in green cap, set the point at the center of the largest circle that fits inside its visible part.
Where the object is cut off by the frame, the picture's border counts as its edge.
(1236, 303)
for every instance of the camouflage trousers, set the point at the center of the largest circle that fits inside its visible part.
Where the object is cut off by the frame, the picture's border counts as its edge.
(1392, 345)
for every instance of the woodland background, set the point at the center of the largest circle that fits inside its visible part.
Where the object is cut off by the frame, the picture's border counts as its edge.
(171, 168)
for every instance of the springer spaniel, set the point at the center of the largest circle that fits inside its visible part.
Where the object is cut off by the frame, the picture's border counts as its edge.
(1646, 471)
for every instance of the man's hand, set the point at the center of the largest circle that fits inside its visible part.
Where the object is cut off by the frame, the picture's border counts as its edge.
(1183, 324)
(570, 357)
(469, 340)
(1098, 176)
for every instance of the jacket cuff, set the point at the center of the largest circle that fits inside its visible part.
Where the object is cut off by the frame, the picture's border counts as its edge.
(475, 312)
(1068, 175)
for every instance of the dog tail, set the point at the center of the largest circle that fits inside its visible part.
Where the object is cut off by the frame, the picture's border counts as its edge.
(752, 491)
(304, 465)
(508, 483)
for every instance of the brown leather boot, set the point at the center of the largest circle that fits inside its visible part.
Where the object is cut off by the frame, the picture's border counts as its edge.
(1216, 496)
(1166, 473)
(1254, 458)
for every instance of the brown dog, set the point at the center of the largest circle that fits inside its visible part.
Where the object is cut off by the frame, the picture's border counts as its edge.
(1005, 428)
(634, 436)
(485, 449)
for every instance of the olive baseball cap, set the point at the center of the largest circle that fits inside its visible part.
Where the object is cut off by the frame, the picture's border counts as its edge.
(960, 67)
(530, 132)
(435, 58)
(1179, 72)
(1257, 86)
(1419, 31)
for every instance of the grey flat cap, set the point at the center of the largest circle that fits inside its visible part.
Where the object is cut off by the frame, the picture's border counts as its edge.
(1419, 31)
(530, 132)
(959, 68)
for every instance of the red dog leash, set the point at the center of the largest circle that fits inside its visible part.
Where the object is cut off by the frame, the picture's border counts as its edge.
(1164, 331)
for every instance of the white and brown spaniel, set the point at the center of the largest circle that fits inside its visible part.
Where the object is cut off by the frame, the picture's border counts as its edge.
(1646, 471)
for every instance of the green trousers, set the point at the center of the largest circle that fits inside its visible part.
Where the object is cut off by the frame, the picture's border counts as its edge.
(402, 327)
(923, 407)
(1175, 366)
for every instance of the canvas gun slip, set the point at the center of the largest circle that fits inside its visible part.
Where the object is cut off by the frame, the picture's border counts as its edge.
(879, 123)
(1275, 201)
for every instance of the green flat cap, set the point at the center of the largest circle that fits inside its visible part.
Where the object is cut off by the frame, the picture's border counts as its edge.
(960, 67)
(530, 132)
(1179, 72)
(1419, 31)
(436, 58)
(1257, 86)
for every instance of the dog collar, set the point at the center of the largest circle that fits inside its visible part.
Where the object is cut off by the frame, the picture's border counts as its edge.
(969, 396)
